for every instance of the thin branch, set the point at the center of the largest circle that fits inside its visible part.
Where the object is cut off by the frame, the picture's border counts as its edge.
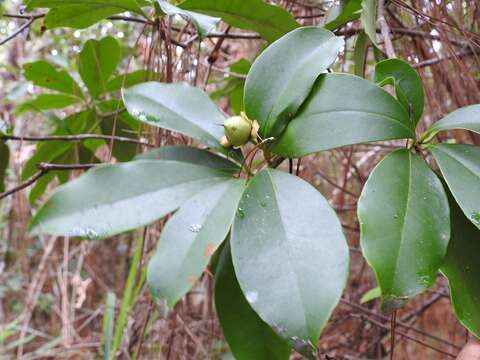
(80, 137)
(385, 30)
(23, 185)
(44, 168)
(19, 31)
(440, 59)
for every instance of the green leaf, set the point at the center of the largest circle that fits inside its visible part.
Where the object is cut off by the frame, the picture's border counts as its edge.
(125, 126)
(126, 81)
(290, 256)
(108, 324)
(407, 82)
(191, 155)
(363, 113)
(97, 62)
(190, 238)
(112, 199)
(203, 23)
(248, 336)
(466, 118)
(46, 152)
(48, 102)
(80, 14)
(270, 21)
(371, 294)
(405, 226)
(360, 53)
(369, 19)
(343, 12)
(282, 76)
(462, 269)
(4, 161)
(43, 74)
(460, 166)
(178, 107)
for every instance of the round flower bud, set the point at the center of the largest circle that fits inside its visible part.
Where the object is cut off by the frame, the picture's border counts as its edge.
(238, 130)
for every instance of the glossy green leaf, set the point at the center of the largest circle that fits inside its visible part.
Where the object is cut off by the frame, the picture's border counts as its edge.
(43, 74)
(290, 256)
(203, 23)
(98, 60)
(190, 238)
(405, 226)
(363, 113)
(369, 19)
(48, 102)
(270, 21)
(110, 199)
(370, 295)
(360, 53)
(407, 82)
(462, 269)
(466, 118)
(126, 81)
(460, 166)
(4, 161)
(282, 76)
(80, 14)
(248, 336)
(178, 107)
(191, 155)
(342, 12)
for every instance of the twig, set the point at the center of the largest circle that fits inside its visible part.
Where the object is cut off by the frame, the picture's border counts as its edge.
(385, 30)
(437, 60)
(80, 137)
(19, 31)
(23, 185)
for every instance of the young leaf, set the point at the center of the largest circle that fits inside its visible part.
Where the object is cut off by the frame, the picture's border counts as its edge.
(360, 53)
(283, 75)
(343, 12)
(190, 155)
(407, 82)
(248, 336)
(462, 269)
(97, 62)
(203, 23)
(126, 81)
(111, 199)
(290, 256)
(371, 294)
(460, 166)
(43, 74)
(466, 118)
(48, 102)
(369, 19)
(190, 238)
(4, 160)
(364, 113)
(270, 21)
(80, 14)
(178, 107)
(405, 226)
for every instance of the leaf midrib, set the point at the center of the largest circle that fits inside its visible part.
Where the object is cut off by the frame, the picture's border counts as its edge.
(297, 282)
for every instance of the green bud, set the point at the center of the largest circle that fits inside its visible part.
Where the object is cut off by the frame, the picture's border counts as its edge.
(238, 130)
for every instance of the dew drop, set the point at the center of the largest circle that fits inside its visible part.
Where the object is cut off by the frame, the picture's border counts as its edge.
(195, 228)
(251, 296)
(476, 217)
(241, 212)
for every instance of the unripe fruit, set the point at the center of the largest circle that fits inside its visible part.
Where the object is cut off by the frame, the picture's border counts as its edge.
(238, 130)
